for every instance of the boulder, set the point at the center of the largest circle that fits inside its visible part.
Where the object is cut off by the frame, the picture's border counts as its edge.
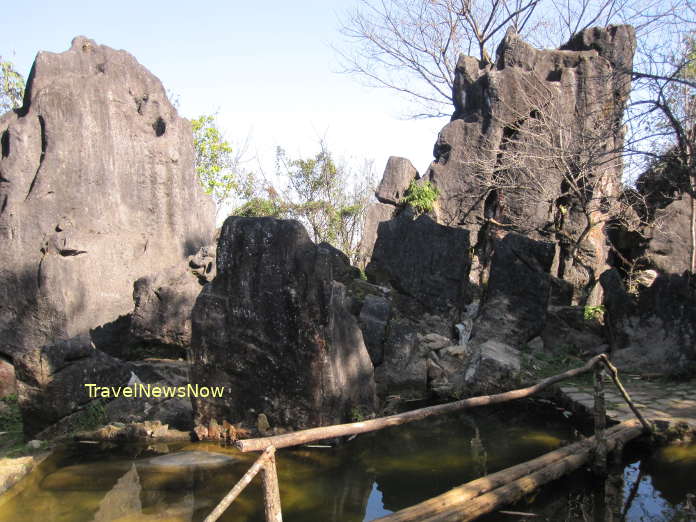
(493, 367)
(568, 330)
(669, 249)
(398, 175)
(374, 318)
(273, 328)
(175, 411)
(161, 321)
(98, 189)
(51, 380)
(423, 260)
(513, 308)
(655, 330)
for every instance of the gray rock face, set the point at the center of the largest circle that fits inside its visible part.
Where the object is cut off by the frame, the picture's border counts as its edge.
(398, 175)
(176, 412)
(499, 137)
(8, 381)
(374, 318)
(493, 366)
(98, 190)
(51, 380)
(163, 303)
(274, 329)
(423, 260)
(376, 214)
(513, 308)
(669, 249)
(654, 331)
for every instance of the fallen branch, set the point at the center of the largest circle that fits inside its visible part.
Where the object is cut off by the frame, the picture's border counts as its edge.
(342, 430)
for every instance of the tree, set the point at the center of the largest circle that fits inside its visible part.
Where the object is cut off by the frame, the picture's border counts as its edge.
(330, 199)
(670, 112)
(218, 167)
(11, 87)
(412, 46)
(327, 197)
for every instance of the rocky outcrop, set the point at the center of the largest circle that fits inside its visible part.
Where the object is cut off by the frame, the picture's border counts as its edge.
(274, 329)
(98, 190)
(509, 225)
(653, 331)
(435, 275)
(161, 321)
(52, 379)
(500, 162)
(398, 175)
(513, 307)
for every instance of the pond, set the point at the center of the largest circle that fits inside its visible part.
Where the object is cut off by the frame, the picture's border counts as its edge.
(370, 476)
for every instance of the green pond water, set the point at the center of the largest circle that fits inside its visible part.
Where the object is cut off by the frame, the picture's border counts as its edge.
(370, 476)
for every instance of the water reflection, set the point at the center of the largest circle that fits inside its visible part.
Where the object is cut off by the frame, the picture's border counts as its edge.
(372, 476)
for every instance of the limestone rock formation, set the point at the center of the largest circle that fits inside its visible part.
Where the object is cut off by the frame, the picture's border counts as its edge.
(161, 319)
(655, 330)
(274, 329)
(513, 307)
(98, 190)
(502, 163)
(531, 151)
(422, 259)
(398, 175)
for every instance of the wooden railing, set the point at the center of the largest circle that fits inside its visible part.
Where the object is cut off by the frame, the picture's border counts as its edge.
(271, 497)
(599, 442)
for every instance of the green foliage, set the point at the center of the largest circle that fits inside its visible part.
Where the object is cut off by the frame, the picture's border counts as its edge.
(326, 197)
(260, 207)
(11, 87)
(594, 313)
(92, 417)
(421, 196)
(10, 416)
(214, 160)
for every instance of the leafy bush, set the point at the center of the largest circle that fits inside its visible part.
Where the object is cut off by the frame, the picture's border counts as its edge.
(10, 417)
(594, 312)
(421, 196)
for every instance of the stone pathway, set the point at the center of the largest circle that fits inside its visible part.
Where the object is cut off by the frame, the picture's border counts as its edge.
(671, 402)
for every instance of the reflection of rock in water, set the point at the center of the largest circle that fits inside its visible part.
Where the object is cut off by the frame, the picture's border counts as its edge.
(123, 501)
(183, 460)
(479, 454)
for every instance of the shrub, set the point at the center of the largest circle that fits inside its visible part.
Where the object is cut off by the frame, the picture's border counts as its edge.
(421, 196)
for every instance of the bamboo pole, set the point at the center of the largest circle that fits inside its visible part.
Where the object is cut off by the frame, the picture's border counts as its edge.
(615, 377)
(599, 464)
(342, 430)
(268, 453)
(484, 495)
(271, 494)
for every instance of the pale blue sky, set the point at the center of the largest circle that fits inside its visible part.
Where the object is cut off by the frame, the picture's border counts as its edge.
(266, 68)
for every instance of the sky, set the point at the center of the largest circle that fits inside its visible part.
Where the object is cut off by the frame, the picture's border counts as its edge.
(267, 69)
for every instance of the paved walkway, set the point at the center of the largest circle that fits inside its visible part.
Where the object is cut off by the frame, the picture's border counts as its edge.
(672, 402)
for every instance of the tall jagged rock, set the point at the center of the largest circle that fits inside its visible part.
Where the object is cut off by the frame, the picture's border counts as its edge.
(529, 167)
(97, 190)
(274, 329)
(533, 147)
